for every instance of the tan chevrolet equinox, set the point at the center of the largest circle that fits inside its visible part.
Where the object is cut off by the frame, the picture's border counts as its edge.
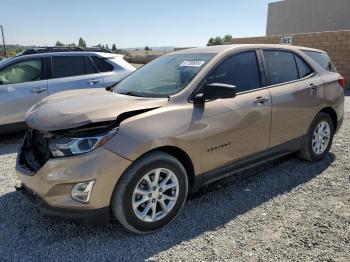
(184, 120)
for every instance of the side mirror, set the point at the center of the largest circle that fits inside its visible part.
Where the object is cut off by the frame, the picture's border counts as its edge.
(216, 91)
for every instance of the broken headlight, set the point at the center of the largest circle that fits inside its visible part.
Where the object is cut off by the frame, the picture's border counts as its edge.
(69, 146)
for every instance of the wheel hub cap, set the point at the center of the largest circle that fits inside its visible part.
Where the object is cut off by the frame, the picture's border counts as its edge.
(155, 195)
(321, 137)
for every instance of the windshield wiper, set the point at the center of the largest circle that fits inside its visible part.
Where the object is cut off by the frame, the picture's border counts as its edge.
(130, 93)
(143, 94)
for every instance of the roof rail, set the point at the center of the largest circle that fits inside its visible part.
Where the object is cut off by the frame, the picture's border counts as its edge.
(42, 50)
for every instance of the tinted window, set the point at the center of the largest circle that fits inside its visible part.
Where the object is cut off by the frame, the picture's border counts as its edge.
(89, 66)
(102, 65)
(304, 69)
(64, 66)
(281, 66)
(240, 70)
(322, 59)
(26, 71)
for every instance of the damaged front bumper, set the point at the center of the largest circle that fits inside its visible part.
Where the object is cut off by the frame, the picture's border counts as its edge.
(93, 216)
(49, 186)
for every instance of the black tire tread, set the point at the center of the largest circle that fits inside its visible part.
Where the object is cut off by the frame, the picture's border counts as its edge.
(119, 191)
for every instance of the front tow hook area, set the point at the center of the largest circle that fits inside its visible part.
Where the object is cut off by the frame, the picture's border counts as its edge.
(33, 197)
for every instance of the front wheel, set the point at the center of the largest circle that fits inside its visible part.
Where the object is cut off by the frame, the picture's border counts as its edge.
(319, 138)
(151, 193)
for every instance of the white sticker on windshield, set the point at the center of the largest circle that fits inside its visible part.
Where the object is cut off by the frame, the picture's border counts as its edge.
(192, 63)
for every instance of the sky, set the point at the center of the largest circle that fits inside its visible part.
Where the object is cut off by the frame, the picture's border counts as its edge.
(130, 23)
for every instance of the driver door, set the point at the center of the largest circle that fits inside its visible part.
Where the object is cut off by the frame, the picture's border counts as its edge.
(22, 84)
(235, 128)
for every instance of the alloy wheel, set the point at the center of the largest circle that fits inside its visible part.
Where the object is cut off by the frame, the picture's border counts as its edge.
(155, 195)
(321, 138)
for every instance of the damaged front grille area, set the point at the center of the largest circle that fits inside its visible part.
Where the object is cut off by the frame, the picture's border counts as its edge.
(35, 150)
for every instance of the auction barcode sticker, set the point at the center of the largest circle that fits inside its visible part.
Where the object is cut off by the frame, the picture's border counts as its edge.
(192, 63)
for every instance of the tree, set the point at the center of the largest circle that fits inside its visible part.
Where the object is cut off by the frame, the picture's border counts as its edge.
(227, 39)
(114, 47)
(58, 43)
(215, 41)
(218, 41)
(107, 47)
(81, 42)
(210, 42)
(147, 48)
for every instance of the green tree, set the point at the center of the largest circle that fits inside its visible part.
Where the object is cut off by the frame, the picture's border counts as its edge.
(147, 48)
(81, 42)
(107, 47)
(58, 43)
(114, 47)
(210, 41)
(215, 41)
(218, 41)
(227, 39)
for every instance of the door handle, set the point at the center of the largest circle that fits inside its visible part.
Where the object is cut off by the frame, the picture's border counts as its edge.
(261, 100)
(93, 81)
(38, 90)
(312, 86)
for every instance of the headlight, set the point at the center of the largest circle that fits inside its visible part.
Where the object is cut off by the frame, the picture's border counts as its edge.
(68, 146)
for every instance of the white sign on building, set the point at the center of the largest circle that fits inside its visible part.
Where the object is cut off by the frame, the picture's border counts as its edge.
(286, 40)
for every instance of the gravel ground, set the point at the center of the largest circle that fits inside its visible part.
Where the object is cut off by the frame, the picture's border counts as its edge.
(288, 210)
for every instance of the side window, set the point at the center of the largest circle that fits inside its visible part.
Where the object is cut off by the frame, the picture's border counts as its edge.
(281, 66)
(322, 59)
(26, 71)
(304, 69)
(89, 66)
(65, 66)
(102, 65)
(240, 70)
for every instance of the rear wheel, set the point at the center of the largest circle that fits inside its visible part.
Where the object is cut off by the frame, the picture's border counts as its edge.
(151, 193)
(319, 138)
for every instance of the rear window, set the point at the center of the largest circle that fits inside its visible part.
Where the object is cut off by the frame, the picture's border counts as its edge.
(65, 66)
(281, 66)
(101, 64)
(322, 59)
(304, 69)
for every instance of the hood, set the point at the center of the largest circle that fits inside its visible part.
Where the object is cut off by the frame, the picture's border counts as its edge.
(76, 108)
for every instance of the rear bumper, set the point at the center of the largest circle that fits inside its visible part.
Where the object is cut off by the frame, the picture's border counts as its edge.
(93, 216)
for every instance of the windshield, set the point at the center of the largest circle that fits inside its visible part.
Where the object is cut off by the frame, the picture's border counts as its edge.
(3, 62)
(164, 76)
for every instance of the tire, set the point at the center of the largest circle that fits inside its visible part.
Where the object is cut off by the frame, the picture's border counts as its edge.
(135, 176)
(308, 152)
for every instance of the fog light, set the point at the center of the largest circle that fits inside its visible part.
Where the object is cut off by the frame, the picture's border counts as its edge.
(81, 191)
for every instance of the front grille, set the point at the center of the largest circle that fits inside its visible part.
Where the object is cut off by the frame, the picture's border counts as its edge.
(35, 151)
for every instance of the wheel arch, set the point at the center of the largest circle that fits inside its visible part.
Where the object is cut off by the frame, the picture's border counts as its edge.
(332, 113)
(184, 159)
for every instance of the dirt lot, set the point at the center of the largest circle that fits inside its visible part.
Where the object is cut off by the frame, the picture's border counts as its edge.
(289, 210)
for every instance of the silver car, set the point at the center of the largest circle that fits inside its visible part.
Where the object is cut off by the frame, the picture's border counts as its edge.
(27, 78)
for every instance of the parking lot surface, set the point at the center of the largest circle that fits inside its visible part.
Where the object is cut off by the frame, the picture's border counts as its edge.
(288, 210)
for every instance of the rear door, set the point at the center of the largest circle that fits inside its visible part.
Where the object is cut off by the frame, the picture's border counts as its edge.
(297, 95)
(22, 84)
(73, 72)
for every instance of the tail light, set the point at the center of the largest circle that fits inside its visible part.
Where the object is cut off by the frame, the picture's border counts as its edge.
(342, 81)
